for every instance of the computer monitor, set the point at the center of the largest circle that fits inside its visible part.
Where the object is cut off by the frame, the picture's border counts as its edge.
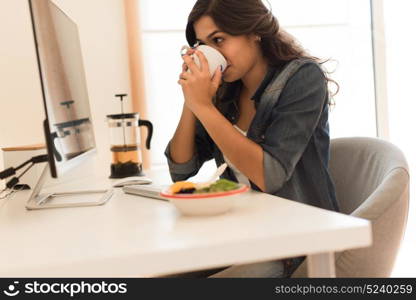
(70, 134)
(68, 129)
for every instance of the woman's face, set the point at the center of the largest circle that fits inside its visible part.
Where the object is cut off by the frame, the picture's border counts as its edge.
(241, 52)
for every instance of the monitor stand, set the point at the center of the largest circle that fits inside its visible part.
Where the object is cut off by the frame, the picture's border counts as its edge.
(42, 201)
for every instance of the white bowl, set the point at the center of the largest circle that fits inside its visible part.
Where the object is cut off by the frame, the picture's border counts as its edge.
(206, 203)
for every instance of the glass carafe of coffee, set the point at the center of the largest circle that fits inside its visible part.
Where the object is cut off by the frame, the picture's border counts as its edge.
(125, 144)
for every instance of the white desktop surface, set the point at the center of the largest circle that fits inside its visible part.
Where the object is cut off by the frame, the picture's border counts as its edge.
(131, 236)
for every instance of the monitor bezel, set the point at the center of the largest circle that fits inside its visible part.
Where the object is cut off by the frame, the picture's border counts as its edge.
(57, 170)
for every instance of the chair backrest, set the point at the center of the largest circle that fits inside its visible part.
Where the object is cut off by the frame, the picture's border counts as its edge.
(371, 179)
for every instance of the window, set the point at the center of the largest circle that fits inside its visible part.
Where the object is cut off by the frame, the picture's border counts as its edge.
(340, 30)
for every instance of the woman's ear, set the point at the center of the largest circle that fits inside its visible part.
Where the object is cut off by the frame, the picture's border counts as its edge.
(255, 38)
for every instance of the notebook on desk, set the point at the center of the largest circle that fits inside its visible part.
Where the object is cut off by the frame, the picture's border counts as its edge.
(149, 191)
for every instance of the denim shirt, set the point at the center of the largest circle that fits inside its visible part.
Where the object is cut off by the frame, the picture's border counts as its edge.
(291, 126)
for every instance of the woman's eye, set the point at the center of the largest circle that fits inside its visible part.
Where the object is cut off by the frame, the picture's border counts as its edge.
(218, 40)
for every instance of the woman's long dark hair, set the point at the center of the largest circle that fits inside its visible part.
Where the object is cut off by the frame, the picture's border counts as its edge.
(245, 17)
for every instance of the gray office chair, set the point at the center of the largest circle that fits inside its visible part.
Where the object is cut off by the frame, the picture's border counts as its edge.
(371, 178)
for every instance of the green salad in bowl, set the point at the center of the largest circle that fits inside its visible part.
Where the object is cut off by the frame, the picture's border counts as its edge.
(186, 187)
(221, 185)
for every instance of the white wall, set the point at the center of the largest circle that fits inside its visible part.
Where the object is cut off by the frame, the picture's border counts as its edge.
(101, 24)
(21, 110)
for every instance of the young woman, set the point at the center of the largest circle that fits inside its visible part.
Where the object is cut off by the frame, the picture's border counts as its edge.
(266, 115)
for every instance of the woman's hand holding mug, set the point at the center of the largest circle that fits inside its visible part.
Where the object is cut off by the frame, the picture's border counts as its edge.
(201, 75)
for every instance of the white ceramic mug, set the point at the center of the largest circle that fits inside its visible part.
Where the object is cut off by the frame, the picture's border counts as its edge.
(214, 57)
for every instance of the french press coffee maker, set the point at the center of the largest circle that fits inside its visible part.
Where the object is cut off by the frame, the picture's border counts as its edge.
(125, 142)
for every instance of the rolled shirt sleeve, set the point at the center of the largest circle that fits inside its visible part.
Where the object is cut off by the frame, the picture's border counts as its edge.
(293, 122)
(204, 148)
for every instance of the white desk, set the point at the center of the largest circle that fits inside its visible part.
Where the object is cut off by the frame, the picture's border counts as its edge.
(132, 236)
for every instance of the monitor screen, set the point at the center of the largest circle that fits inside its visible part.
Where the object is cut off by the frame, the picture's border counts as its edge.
(68, 127)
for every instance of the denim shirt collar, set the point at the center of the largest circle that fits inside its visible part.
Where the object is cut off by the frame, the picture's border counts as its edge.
(229, 103)
(271, 71)
(234, 88)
